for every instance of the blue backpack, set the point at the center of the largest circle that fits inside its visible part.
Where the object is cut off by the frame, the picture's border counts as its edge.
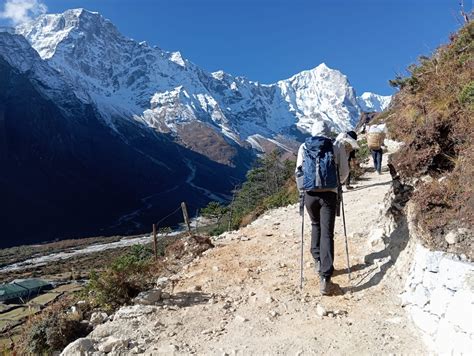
(319, 167)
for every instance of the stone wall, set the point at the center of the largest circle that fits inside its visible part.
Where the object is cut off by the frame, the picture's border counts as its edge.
(437, 287)
(439, 296)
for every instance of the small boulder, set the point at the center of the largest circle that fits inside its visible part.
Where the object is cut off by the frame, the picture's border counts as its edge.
(81, 346)
(240, 319)
(113, 344)
(320, 310)
(162, 281)
(98, 318)
(149, 297)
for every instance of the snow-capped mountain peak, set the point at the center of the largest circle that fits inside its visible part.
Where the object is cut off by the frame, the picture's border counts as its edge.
(127, 79)
(373, 102)
(47, 31)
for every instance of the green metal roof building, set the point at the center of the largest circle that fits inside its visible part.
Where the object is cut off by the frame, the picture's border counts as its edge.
(22, 289)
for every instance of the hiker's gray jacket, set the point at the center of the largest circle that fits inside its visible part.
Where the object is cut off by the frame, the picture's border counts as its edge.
(340, 157)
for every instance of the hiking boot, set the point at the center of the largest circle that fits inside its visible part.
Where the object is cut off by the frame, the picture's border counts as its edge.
(349, 187)
(324, 285)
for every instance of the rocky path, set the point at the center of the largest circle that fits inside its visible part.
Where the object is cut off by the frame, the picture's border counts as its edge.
(243, 296)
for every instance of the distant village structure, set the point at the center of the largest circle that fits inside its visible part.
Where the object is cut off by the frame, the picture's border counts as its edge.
(22, 289)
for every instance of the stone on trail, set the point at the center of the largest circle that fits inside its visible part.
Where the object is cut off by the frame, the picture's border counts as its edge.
(269, 300)
(240, 319)
(168, 349)
(320, 310)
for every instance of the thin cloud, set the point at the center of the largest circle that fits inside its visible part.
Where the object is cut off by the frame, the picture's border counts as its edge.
(18, 11)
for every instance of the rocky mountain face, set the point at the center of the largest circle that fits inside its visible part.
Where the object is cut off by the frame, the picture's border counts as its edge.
(65, 173)
(105, 134)
(124, 78)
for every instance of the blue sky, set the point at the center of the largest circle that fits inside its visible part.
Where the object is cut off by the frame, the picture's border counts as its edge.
(268, 40)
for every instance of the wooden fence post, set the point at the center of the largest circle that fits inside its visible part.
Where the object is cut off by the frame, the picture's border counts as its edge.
(155, 243)
(186, 217)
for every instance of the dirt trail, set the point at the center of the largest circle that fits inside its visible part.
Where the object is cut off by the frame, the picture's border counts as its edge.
(243, 296)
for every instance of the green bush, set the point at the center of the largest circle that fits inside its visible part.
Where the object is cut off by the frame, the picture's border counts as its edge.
(137, 258)
(466, 96)
(123, 280)
(363, 152)
(262, 189)
(50, 331)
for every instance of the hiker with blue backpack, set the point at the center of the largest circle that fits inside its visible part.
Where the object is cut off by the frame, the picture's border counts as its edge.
(321, 168)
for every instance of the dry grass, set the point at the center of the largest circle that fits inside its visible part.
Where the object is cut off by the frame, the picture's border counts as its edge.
(434, 115)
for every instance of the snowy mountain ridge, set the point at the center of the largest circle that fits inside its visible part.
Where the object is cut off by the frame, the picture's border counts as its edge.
(369, 102)
(124, 78)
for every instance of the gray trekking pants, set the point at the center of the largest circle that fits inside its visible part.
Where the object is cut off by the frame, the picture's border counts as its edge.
(321, 208)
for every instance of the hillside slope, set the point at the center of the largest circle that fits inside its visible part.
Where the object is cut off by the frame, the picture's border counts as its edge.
(434, 115)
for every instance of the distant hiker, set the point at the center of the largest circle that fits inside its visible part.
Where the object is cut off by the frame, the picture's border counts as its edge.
(317, 165)
(375, 139)
(349, 140)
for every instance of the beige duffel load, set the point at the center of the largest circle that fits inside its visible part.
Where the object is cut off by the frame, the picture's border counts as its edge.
(375, 140)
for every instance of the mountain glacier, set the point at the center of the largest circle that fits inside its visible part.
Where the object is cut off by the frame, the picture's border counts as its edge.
(128, 79)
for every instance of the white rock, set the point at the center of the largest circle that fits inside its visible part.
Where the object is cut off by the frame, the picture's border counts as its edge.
(439, 300)
(420, 297)
(148, 297)
(240, 319)
(112, 344)
(162, 281)
(450, 342)
(460, 310)
(81, 346)
(432, 260)
(320, 310)
(215, 268)
(273, 313)
(98, 318)
(451, 273)
(452, 237)
(425, 321)
(269, 300)
(430, 280)
(375, 238)
(168, 349)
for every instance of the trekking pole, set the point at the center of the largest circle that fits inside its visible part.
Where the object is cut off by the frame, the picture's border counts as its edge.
(302, 238)
(345, 238)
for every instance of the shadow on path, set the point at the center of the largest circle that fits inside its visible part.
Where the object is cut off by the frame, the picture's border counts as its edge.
(368, 186)
(186, 299)
(380, 262)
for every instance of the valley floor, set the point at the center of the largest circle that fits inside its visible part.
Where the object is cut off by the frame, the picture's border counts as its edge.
(243, 296)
